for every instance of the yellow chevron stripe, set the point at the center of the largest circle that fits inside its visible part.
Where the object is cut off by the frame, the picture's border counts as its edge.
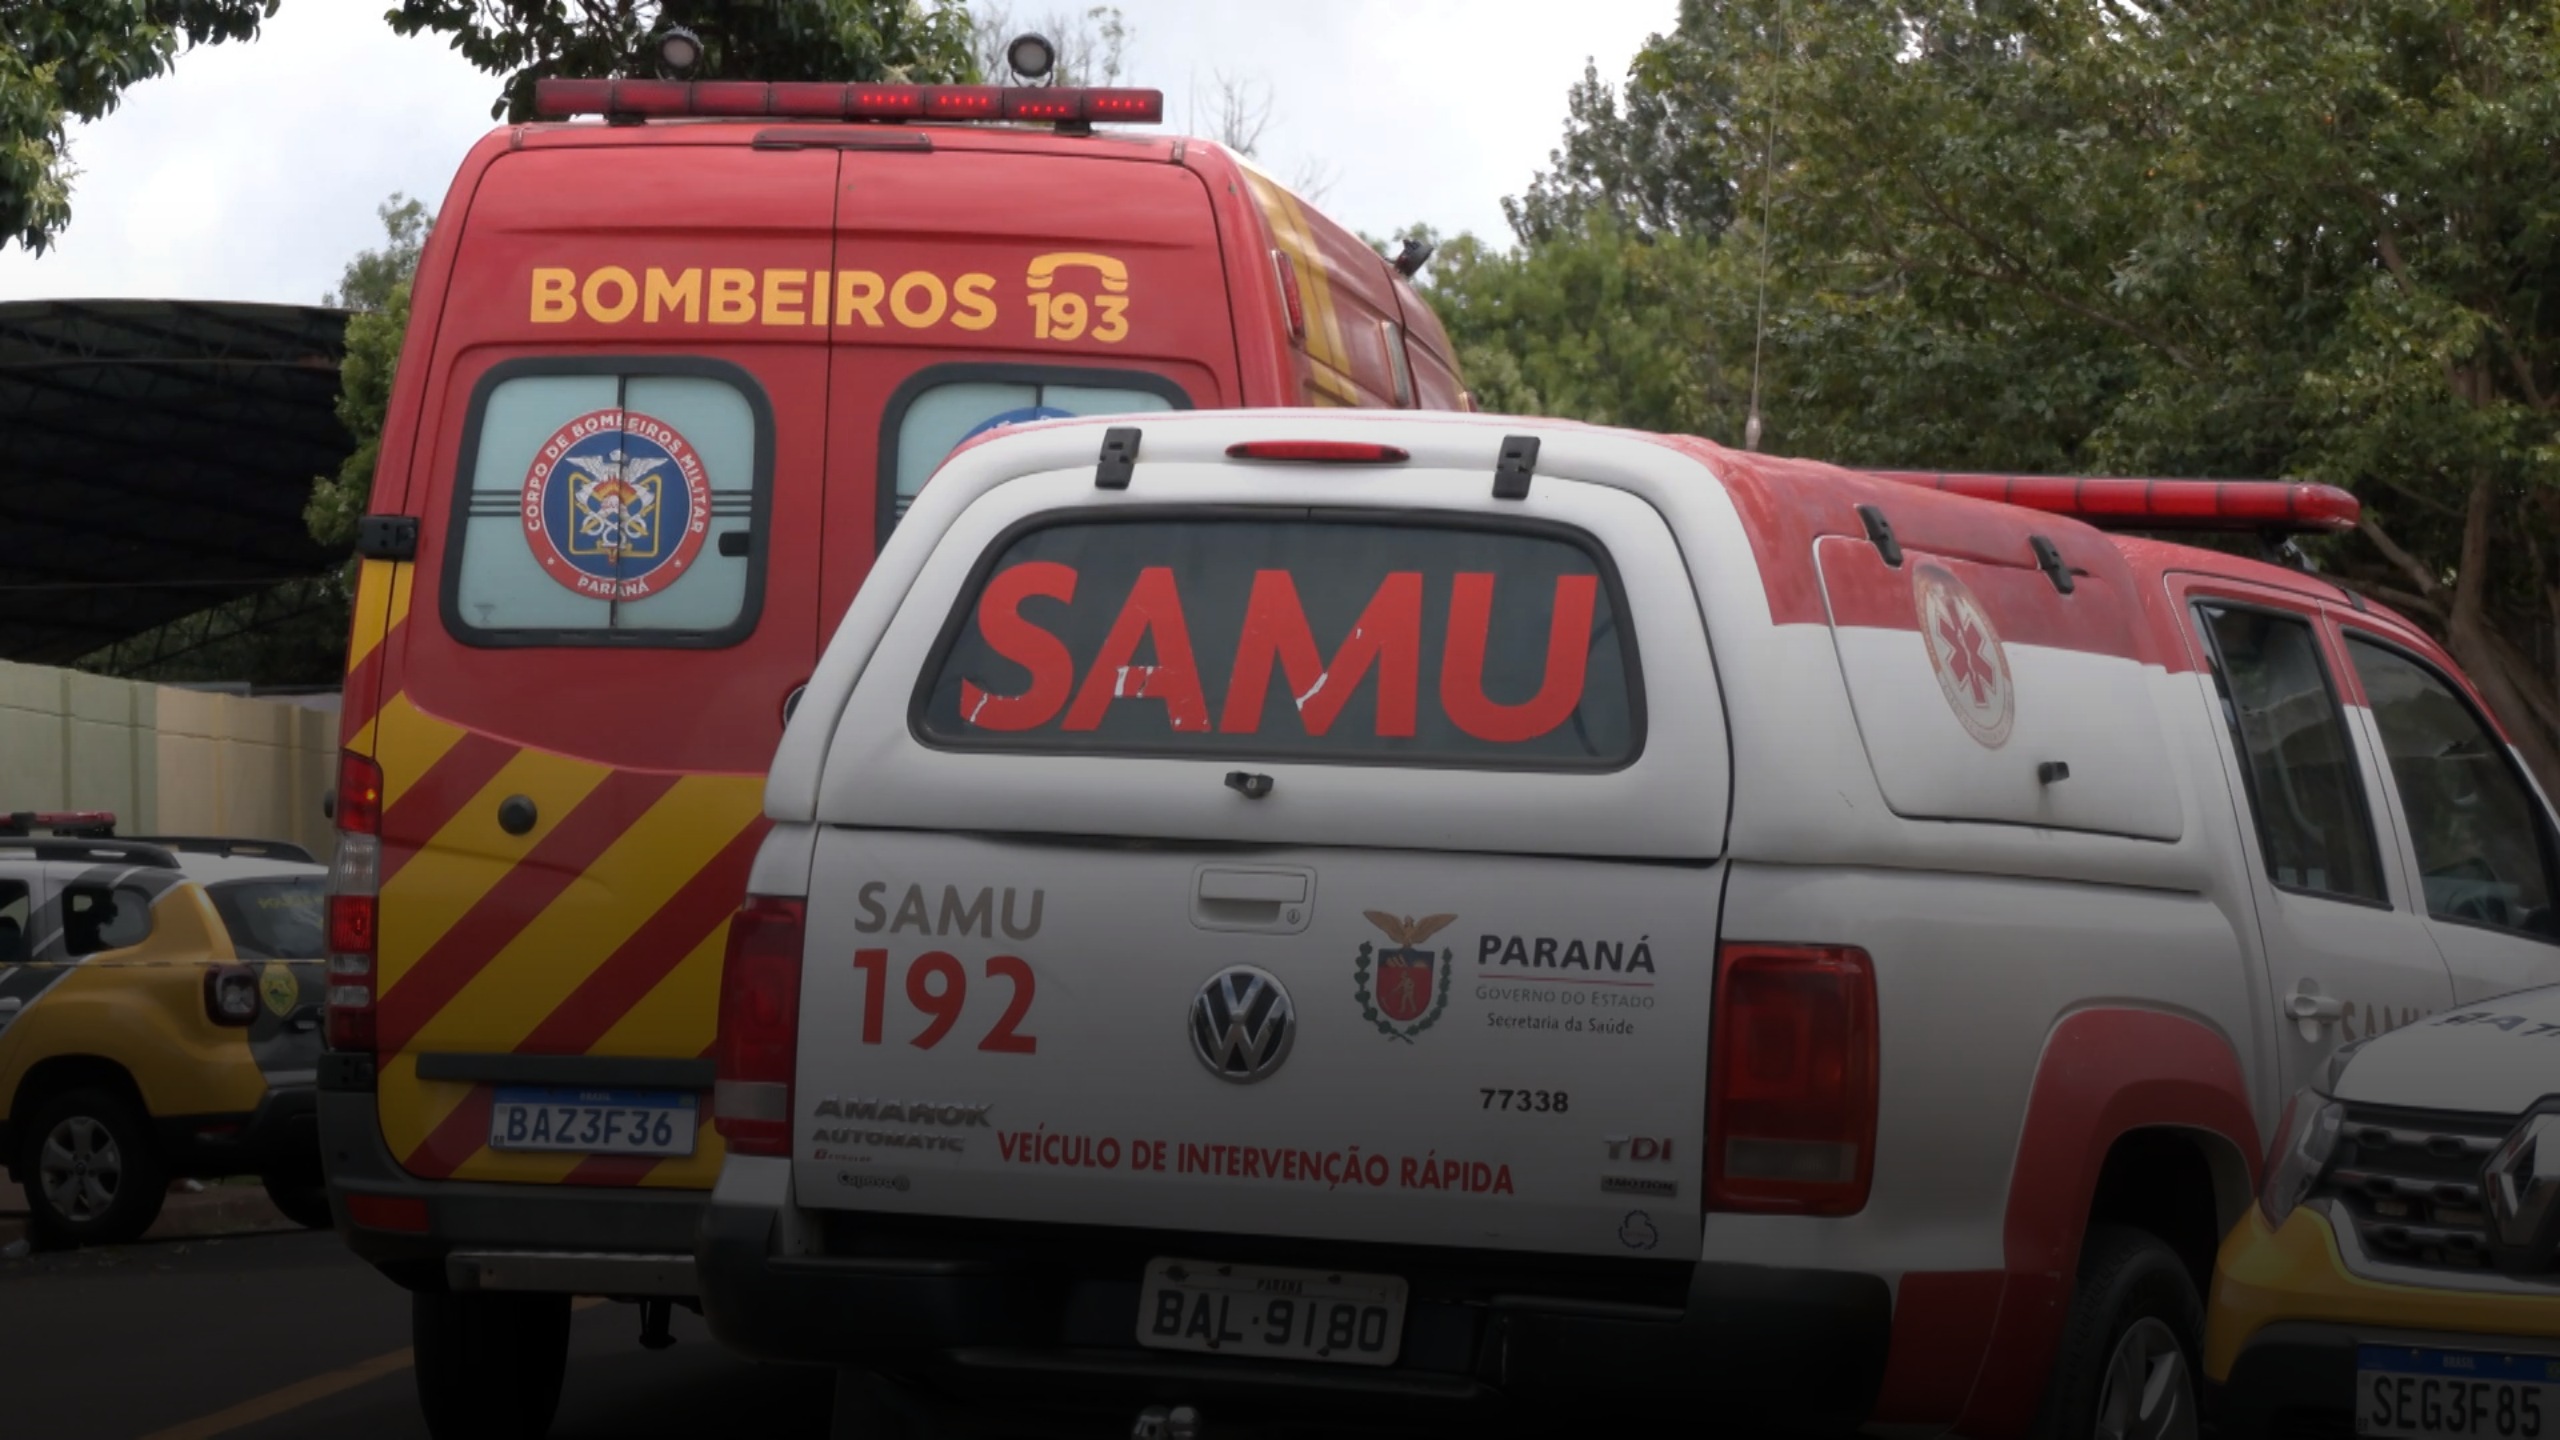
(525, 982)
(676, 1007)
(409, 1108)
(372, 610)
(459, 864)
(1324, 323)
(418, 739)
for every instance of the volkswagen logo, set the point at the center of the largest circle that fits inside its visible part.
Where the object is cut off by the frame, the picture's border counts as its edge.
(1242, 1024)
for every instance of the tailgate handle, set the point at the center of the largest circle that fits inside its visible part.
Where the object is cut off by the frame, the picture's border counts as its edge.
(1270, 886)
(1270, 899)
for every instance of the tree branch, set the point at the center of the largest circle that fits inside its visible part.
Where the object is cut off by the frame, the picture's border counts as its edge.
(2392, 596)
(2401, 560)
(2471, 576)
(2545, 707)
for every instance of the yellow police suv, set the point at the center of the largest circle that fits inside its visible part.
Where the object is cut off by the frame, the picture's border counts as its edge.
(160, 1008)
(2401, 1275)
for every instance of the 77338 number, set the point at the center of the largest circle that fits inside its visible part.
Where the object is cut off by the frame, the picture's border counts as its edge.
(937, 985)
(1553, 1102)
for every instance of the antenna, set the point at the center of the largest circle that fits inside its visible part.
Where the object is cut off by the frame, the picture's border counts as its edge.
(1768, 190)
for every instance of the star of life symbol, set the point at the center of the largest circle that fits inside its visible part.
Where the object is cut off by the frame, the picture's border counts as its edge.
(616, 505)
(1965, 652)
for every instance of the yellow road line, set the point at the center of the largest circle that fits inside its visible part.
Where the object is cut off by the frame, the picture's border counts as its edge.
(291, 1397)
(304, 1392)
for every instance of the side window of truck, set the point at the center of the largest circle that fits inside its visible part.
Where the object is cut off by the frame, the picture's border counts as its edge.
(103, 917)
(17, 921)
(2313, 821)
(2484, 850)
(610, 502)
(935, 411)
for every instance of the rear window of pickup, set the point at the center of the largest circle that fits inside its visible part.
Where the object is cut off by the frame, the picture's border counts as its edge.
(1360, 641)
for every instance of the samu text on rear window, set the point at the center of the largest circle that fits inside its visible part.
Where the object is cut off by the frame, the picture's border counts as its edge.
(1298, 638)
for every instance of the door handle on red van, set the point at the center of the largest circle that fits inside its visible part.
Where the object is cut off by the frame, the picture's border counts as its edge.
(1276, 899)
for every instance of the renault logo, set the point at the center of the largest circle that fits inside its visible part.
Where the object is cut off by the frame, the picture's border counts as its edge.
(1242, 1024)
(2524, 1180)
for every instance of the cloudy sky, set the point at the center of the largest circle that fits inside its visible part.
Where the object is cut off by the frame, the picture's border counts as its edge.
(253, 171)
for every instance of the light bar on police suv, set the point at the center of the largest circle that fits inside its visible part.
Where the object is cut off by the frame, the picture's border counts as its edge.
(808, 100)
(2129, 503)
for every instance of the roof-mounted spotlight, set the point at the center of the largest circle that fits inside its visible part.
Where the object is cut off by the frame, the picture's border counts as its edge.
(679, 51)
(1031, 56)
(1415, 254)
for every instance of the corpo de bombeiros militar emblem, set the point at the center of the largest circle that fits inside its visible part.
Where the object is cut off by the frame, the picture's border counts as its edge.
(1404, 986)
(616, 505)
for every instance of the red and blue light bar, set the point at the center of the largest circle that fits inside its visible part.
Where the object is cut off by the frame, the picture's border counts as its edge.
(811, 100)
(2126, 503)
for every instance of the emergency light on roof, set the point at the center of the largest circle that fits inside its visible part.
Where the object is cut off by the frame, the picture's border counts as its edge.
(2114, 503)
(81, 824)
(808, 100)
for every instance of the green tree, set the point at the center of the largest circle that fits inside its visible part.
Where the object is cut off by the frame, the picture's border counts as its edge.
(65, 60)
(375, 286)
(849, 40)
(2210, 238)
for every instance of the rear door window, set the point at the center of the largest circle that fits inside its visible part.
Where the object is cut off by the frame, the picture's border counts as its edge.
(17, 921)
(942, 408)
(104, 917)
(610, 502)
(1303, 638)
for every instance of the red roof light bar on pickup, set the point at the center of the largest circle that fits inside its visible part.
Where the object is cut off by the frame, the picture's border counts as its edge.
(2114, 503)
(802, 100)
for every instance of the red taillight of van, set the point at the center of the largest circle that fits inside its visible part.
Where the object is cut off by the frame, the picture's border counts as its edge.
(355, 890)
(759, 1025)
(1293, 308)
(1791, 1095)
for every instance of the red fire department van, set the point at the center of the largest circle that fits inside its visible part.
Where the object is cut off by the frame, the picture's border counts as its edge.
(668, 385)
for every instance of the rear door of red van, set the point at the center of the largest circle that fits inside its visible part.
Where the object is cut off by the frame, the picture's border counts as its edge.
(1000, 279)
(614, 591)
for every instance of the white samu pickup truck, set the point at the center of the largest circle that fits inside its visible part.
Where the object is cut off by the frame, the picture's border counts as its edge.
(1440, 919)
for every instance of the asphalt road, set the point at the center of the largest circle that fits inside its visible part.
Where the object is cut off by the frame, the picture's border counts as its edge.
(285, 1336)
